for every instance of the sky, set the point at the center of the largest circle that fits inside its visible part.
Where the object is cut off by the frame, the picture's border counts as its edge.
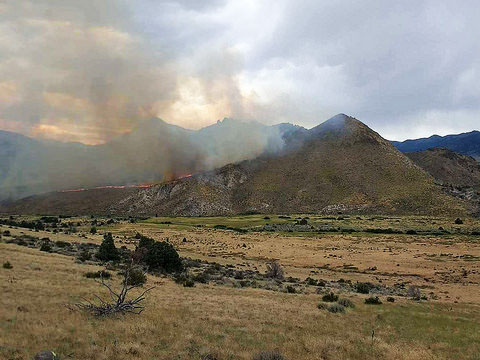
(91, 70)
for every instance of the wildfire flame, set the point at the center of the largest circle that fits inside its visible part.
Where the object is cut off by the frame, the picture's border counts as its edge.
(141, 186)
(135, 186)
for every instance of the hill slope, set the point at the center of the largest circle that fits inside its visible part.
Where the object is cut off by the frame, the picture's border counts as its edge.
(458, 174)
(340, 165)
(448, 167)
(466, 144)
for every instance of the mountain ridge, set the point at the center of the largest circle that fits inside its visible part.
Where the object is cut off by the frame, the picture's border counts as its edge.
(465, 143)
(339, 166)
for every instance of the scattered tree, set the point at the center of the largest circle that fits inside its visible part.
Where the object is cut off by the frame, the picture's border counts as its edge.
(157, 255)
(107, 250)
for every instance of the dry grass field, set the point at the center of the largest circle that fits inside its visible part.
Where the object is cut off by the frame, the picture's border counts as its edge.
(227, 321)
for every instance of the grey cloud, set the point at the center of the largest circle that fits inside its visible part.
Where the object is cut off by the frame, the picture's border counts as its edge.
(393, 65)
(398, 59)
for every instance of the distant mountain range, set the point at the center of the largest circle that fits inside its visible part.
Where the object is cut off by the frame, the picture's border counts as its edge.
(236, 167)
(466, 144)
(340, 165)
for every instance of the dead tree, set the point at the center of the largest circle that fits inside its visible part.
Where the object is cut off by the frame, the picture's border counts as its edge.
(119, 303)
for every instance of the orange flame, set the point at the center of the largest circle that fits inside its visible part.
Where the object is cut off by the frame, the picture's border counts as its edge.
(171, 177)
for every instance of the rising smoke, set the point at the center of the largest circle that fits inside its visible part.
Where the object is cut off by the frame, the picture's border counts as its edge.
(87, 72)
(153, 152)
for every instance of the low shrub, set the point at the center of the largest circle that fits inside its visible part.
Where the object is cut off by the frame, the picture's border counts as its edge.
(336, 308)
(184, 279)
(210, 357)
(84, 256)
(7, 265)
(244, 283)
(275, 271)
(201, 277)
(188, 283)
(291, 289)
(391, 299)
(458, 221)
(46, 247)
(62, 244)
(373, 301)
(269, 355)
(136, 277)
(330, 297)
(322, 306)
(346, 303)
(363, 288)
(98, 274)
(180, 277)
(311, 281)
(414, 292)
(22, 242)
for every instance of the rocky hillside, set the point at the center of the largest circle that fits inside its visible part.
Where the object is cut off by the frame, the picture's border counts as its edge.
(448, 167)
(458, 174)
(338, 166)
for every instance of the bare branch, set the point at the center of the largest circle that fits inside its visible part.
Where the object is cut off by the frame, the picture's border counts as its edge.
(120, 304)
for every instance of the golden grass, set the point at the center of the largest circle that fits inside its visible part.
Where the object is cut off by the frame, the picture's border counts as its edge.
(188, 323)
(435, 262)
